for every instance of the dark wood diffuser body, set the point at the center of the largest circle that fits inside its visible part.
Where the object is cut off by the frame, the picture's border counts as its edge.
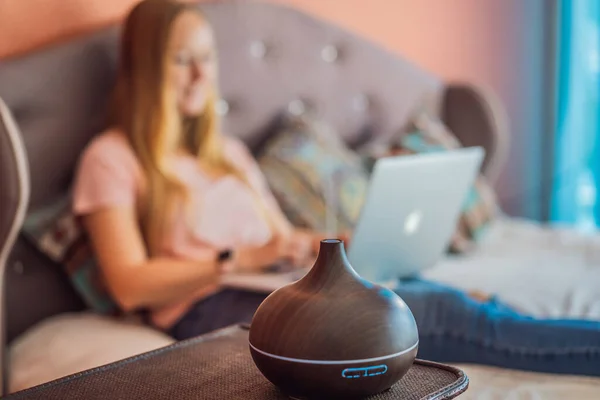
(333, 334)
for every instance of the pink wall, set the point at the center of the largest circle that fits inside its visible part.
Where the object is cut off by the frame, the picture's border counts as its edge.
(26, 24)
(497, 43)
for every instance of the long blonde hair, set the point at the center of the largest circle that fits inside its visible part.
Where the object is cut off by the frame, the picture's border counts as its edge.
(144, 109)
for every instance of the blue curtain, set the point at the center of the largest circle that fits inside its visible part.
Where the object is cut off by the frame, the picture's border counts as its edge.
(576, 175)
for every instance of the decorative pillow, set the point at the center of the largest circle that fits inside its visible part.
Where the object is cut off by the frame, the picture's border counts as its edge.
(318, 182)
(427, 134)
(58, 234)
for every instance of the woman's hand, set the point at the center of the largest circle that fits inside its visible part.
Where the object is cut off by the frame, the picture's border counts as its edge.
(304, 245)
(298, 248)
(294, 248)
(256, 258)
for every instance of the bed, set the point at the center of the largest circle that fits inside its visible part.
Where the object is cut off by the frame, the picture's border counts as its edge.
(540, 270)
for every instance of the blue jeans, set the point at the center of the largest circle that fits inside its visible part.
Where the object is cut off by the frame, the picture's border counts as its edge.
(453, 328)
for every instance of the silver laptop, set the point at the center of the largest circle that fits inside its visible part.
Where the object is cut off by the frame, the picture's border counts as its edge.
(410, 213)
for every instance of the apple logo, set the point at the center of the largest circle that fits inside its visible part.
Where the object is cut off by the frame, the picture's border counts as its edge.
(412, 222)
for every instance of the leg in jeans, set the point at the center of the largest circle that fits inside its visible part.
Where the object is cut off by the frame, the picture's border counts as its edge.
(222, 309)
(454, 328)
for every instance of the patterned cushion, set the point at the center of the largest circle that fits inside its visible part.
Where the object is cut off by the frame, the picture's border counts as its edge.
(318, 182)
(58, 234)
(427, 134)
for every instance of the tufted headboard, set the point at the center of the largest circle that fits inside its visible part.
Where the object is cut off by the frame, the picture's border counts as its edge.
(271, 58)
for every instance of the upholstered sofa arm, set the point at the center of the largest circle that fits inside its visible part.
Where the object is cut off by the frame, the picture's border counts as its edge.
(14, 197)
(476, 115)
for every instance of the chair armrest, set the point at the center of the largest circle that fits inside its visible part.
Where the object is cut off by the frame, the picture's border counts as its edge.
(478, 118)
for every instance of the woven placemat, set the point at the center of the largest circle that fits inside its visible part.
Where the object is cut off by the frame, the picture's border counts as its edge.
(217, 366)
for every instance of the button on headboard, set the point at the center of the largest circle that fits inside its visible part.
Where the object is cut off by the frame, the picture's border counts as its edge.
(271, 58)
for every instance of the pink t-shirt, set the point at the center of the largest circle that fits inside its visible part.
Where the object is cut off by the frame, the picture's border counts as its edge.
(223, 210)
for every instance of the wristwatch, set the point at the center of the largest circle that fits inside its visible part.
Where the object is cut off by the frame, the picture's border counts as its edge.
(223, 257)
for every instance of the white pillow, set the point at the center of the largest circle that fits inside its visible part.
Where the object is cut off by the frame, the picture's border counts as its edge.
(70, 343)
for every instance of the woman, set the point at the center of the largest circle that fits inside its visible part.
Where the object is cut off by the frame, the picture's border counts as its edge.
(170, 204)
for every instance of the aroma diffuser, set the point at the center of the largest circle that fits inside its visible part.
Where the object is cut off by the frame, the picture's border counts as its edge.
(333, 334)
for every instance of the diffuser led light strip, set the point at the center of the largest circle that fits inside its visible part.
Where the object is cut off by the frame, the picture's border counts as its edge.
(335, 362)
